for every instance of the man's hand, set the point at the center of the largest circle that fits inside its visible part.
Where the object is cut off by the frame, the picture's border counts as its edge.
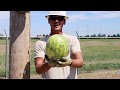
(65, 61)
(51, 61)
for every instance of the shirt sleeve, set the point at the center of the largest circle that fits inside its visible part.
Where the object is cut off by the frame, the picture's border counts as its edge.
(75, 45)
(39, 49)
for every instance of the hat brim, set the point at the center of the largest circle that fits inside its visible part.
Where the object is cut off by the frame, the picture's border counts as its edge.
(58, 15)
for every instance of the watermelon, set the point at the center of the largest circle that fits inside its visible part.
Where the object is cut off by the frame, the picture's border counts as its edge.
(57, 47)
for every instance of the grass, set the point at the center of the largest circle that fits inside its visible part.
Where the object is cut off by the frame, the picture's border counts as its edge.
(100, 66)
(2, 57)
(98, 54)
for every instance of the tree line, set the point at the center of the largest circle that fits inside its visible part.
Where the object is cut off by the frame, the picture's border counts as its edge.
(102, 35)
(94, 35)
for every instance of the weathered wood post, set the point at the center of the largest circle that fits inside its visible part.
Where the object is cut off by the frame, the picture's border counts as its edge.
(19, 53)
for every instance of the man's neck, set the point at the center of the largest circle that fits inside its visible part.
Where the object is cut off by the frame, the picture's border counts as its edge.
(56, 33)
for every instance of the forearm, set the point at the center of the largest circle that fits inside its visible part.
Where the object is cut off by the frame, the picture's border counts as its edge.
(40, 65)
(77, 60)
(44, 68)
(77, 63)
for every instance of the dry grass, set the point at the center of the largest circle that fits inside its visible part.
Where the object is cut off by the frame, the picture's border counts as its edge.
(2, 49)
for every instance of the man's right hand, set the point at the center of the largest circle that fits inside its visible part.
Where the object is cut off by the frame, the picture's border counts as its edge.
(51, 61)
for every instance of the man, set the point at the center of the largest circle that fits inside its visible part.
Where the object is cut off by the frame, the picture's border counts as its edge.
(74, 60)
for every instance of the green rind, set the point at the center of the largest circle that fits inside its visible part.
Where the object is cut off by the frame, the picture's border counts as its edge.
(57, 47)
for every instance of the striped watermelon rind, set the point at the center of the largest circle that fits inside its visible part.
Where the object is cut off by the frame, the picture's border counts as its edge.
(57, 47)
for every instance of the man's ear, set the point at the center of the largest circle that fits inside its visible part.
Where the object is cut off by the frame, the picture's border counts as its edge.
(48, 21)
(64, 22)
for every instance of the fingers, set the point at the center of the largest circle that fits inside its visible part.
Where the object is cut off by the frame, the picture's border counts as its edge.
(51, 64)
(65, 61)
(46, 57)
(60, 62)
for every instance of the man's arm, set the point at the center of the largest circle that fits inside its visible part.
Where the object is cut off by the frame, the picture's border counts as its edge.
(77, 60)
(76, 53)
(41, 66)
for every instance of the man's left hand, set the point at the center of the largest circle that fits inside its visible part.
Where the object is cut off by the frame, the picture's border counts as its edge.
(65, 61)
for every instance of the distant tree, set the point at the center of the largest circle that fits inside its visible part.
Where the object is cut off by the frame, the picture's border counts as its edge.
(118, 35)
(43, 34)
(108, 35)
(103, 35)
(99, 35)
(113, 35)
(94, 35)
(87, 36)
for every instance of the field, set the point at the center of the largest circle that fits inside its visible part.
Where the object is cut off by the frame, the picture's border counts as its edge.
(101, 57)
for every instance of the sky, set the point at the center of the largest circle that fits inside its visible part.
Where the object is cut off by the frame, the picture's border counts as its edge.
(82, 22)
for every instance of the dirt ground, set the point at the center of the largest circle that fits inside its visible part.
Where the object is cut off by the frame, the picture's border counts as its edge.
(106, 74)
(114, 74)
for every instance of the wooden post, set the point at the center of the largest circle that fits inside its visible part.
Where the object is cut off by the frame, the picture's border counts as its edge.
(19, 53)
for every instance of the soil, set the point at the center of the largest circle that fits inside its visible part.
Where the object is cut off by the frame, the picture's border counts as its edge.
(106, 74)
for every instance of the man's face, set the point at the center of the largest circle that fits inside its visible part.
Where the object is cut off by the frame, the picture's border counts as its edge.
(56, 22)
